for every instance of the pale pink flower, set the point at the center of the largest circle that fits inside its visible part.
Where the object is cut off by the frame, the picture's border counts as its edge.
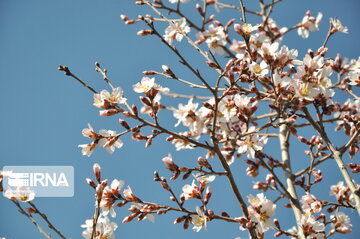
(104, 229)
(278, 80)
(354, 78)
(22, 193)
(309, 23)
(89, 132)
(87, 149)
(341, 222)
(310, 204)
(337, 26)
(145, 85)
(251, 143)
(176, 30)
(312, 229)
(202, 179)
(105, 99)
(245, 29)
(182, 144)
(199, 220)
(287, 57)
(137, 207)
(268, 50)
(129, 195)
(191, 191)
(261, 69)
(215, 38)
(186, 114)
(110, 140)
(169, 163)
(260, 210)
(342, 192)
(109, 196)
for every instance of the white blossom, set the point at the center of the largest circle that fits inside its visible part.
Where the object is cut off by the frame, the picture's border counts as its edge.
(260, 210)
(110, 140)
(338, 26)
(21, 193)
(105, 229)
(309, 24)
(251, 143)
(199, 220)
(175, 30)
(215, 38)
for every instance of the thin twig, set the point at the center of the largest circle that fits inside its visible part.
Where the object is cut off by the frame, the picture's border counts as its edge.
(28, 215)
(49, 224)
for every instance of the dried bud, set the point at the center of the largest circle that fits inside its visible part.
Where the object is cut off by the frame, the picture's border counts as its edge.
(277, 234)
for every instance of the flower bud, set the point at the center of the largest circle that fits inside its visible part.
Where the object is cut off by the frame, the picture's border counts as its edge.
(204, 163)
(165, 185)
(156, 176)
(186, 224)
(145, 32)
(179, 219)
(91, 183)
(124, 124)
(129, 218)
(97, 172)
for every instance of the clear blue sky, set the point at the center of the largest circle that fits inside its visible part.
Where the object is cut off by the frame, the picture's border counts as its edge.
(43, 112)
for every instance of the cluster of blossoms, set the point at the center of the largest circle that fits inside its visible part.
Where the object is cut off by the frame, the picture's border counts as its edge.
(259, 70)
(107, 139)
(104, 229)
(260, 210)
(106, 197)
